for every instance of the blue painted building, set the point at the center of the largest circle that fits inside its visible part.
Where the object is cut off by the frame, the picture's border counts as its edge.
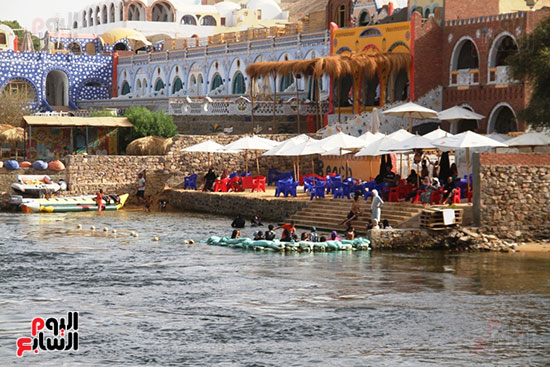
(56, 81)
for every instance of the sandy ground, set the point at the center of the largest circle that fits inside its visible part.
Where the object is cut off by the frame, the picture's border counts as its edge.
(534, 247)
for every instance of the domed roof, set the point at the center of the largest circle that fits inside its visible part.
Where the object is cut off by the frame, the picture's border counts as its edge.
(270, 9)
(113, 35)
(226, 8)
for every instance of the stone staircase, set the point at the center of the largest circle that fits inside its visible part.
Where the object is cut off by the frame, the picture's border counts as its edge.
(327, 214)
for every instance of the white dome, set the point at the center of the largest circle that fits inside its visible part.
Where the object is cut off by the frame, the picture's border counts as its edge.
(270, 9)
(226, 8)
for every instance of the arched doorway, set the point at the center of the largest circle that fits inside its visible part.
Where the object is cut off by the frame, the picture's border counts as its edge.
(343, 91)
(216, 82)
(398, 87)
(208, 21)
(503, 120)
(75, 48)
(286, 81)
(20, 88)
(57, 88)
(177, 85)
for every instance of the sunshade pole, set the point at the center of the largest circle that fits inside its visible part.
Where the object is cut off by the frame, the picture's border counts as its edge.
(257, 164)
(410, 123)
(274, 99)
(339, 99)
(252, 104)
(313, 169)
(467, 170)
(246, 160)
(297, 102)
(298, 169)
(319, 103)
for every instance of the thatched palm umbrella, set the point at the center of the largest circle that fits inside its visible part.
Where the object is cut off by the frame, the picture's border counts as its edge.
(13, 136)
(149, 145)
(4, 127)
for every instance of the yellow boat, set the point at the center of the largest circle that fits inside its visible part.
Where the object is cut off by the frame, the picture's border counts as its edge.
(70, 204)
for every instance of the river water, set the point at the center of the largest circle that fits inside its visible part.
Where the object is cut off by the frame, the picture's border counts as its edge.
(166, 303)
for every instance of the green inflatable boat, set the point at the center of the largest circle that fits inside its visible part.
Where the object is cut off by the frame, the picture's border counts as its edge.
(302, 246)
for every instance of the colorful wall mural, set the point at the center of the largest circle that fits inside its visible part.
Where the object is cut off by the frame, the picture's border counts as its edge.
(53, 143)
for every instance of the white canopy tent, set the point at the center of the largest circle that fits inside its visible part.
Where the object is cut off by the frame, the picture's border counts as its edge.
(531, 139)
(437, 134)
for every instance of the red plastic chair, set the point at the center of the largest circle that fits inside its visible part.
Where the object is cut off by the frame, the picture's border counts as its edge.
(258, 184)
(247, 182)
(221, 185)
(436, 197)
(402, 191)
(456, 196)
(416, 199)
(394, 195)
(469, 195)
(235, 184)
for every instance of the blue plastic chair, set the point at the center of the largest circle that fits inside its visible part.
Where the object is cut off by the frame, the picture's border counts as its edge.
(319, 191)
(337, 189)
(280, 186)
(190, 182)
(308, 184)
(289, 188)
(272, 176)
(245, 174)
(234, 174)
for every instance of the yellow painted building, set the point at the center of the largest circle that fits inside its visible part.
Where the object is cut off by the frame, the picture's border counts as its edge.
(512, 6)
(352, 95)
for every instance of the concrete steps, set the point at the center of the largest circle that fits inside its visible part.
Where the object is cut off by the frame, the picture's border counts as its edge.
(327, 214)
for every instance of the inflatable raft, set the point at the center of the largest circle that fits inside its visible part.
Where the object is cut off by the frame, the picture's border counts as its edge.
(34, 186)
(69, 204)
(302, 246)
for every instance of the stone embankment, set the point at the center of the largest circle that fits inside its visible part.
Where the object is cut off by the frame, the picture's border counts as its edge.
(457, 239)
(4, 200)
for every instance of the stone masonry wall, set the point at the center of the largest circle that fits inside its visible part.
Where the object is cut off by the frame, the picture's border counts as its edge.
(514, 194)
(224, 204)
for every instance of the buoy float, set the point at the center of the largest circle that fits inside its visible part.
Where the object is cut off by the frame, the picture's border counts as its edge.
(192, 242)
(185, 242)
(92, 228)
(155, 238)
(106, 229)
(79, 226)
(114, 231)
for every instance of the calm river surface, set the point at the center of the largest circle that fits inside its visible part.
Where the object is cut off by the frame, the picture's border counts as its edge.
(166, 303)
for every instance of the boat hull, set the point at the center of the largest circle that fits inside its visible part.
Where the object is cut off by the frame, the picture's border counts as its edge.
(69, 205)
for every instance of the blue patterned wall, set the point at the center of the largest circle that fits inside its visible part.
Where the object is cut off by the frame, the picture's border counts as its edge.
(89, 76)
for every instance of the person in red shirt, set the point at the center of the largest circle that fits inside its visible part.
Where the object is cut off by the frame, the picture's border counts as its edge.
(288, 230)
(99, 200)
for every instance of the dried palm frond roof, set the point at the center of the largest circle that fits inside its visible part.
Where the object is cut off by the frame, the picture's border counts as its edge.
(4, 127)
(334, 66)
(149, 145)
(13, 135)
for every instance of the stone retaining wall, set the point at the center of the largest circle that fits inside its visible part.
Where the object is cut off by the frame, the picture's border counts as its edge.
(228, 204)
(401, 239)
(514, 195)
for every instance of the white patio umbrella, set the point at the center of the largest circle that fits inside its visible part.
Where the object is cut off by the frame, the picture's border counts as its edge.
(457, 113)
(209, 147)
(466, 140)
(379, 147)
(286, 145)
(309, 147)
(401, 135)
(437, 134)
(499, 137)
(531, 139)
(251, 143)
(408, 145)
(412, 111)
(341, 141)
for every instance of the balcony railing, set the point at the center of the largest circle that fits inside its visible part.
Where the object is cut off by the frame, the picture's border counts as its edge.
(500, 75)
(464, 77)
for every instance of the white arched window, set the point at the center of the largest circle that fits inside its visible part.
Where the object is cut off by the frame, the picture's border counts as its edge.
(504, 46)
(465, 63)
(502, 120)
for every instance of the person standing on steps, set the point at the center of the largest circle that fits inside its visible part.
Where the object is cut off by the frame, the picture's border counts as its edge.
(376, 207)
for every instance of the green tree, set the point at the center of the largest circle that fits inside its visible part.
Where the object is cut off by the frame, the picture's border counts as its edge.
(531, 64)
(102, 113)
(149, 123)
